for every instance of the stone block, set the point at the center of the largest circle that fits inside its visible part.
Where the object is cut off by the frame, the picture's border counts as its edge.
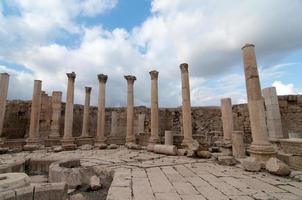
(51, 191)
(277, 167)
(226, 160)
(251, 164)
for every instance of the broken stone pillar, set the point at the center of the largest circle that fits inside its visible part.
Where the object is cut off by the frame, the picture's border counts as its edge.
(165, 149)
(56, 104)
(168, 137)
(238, 147)
(4, 80)
(86, 112)
(100, 132)
(141, 123)
(68, 140)
(130, 138)
(227, 119)
(154, 138)
(114, 124)
(186, 107)
(260, 148)
(32, 141)
(273, 117)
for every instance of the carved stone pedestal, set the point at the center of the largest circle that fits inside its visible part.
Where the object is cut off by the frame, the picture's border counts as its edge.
(84, 140)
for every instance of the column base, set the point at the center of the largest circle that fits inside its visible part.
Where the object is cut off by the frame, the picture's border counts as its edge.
(153, 140)
(31, 144)
(100, 144)
(68, 144)
(2, 142)
(115, 140)
(3, 149)
(49, 142)
(262, 153)
(84, 140)
(187, 143)
(130, 140)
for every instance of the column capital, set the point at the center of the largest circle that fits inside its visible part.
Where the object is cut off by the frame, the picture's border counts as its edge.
(71, 75)
(184, 67)
(56, 93)
(102, 78)
(4, 74)
(88, 89)
(154, 74)
(247, 45)
(38, 81)
(130, 78)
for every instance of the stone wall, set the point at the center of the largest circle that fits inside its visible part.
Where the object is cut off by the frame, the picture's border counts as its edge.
(206, 120)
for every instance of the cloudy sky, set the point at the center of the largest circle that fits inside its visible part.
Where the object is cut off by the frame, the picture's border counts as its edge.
(45, 39)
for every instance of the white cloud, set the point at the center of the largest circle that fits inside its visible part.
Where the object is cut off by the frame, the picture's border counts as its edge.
(206, 34)
(285, 89)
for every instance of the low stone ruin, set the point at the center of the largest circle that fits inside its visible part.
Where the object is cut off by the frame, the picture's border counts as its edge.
(252, 137)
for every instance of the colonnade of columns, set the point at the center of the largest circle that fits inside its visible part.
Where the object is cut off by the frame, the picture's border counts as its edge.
(260, 148)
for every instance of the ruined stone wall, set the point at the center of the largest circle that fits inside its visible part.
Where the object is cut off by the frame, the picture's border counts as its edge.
(206, 121)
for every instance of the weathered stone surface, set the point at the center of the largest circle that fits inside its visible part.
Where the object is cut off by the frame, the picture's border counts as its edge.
(112, 146)
(226, 160)
(251, 164)
(9, 181)
(204, 154)
(50, 191)
(277, 167)
(165, 149)
(86, 147)
(58, 149)
(78, 196)
(95, 183)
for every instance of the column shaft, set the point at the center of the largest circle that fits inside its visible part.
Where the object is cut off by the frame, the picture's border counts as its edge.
(86, 112)
(4, 80)
(186, 106)
(35, 114)
(68, 140)
(154, 108)
(130, 138)
(56, 104)
(273, 117)
(100, 134)
(114, 124)
(227, 119)
(261, 149)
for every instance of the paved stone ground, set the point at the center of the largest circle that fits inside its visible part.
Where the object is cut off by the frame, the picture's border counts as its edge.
(141, 175)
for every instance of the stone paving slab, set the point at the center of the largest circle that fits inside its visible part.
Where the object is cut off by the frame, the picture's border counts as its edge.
(141, 175)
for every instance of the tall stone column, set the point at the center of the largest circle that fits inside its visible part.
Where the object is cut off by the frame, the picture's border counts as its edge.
(56, 104)
(100, 133)
(260, 148)
(154, 107)
(68, 140)
(4, 80)
(186, 107)
(86, 112)
(227, 119)
(130, 138)
(32, 141)
(273, 117)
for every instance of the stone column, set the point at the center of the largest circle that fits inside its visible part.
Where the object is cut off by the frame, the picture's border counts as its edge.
(260, 148)
(168, 137)
(130, 138)
(186, 107)
(68, 140)
(100, 133)
(114, 124)
(227, 119)
(154, 107)
(273, 117)
(56, 104)
(4, 80)
(141, 123)
(32, 141)
(238, 147)
(86, 112)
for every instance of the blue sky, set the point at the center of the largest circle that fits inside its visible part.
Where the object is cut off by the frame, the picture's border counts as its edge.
(45, 39)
